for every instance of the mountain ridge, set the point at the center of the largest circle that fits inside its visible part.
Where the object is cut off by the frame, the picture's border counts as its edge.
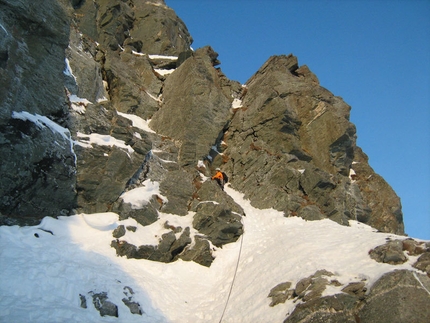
(141, 114)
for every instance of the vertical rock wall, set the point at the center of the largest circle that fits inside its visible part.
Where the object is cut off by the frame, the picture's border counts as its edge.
(88, 66)
(38, 163)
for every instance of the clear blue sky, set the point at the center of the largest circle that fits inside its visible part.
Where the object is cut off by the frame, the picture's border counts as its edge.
(375, 54)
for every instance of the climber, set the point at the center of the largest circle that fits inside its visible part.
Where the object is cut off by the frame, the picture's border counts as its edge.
(220, 177)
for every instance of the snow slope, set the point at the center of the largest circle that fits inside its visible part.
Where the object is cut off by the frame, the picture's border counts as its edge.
(42, 277)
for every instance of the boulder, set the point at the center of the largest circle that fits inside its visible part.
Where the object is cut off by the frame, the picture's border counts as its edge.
(177, 187)
(130, 302)
(336, 309)
(218, 223)
(200, 252)
(357, 289)
(119, 231)
(280, 293)
(398, 296)
(210, 192)
(391, 253)
(146, 215)
(168, 249)
(103, 305)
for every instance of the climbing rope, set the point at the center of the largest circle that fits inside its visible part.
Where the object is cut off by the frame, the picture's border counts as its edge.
(234, 277)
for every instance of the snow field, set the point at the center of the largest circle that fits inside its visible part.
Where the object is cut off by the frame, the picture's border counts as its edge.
(42, 277)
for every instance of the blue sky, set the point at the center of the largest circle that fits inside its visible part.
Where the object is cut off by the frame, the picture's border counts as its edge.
(374, 54)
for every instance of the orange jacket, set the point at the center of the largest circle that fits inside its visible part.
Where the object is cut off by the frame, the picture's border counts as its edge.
(218, 175)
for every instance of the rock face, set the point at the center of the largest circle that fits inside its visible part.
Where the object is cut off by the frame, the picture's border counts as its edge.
(37, 176)
(405, 291)
(80, 81)
(291, 146)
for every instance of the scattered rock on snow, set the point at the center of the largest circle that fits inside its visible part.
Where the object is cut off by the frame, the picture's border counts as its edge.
(83, 301)
(119, 231)
(129, 301)
(105, 307)
(306, 289)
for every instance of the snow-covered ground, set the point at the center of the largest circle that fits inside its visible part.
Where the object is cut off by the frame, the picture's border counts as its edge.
(45, 268)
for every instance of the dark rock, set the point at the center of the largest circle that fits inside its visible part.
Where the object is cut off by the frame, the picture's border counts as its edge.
(302, 286)
(209, 192)
(310, 213)
(83, 301)
(398, 296)
(132, 83)
(218, 223)
(386, 210)
(119, 231)
(203, 111)
(291, 147)
(313, 286)
(169, 248)
(159, 29)
(133, 306)
(123, 248)
(414, 248)
(199, 253)
(391, 253)
(280, 293)
(423, 263)
(166, 225)
(104, 172)
(357, 289)
(178, 189)
(38, 177)
(129, 301)
(336, 309)
(146, 215)
(179, 245)
(103, 305)
(183, 57)
(131, 228)
(42, 172)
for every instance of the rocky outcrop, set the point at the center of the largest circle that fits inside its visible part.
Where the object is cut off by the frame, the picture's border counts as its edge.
(202, 111)
(386, 210)
(291, 146)
(396, 252)
(355, 303)
(80, 81)
(38, 164)
(405, 291)
(307, 289)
